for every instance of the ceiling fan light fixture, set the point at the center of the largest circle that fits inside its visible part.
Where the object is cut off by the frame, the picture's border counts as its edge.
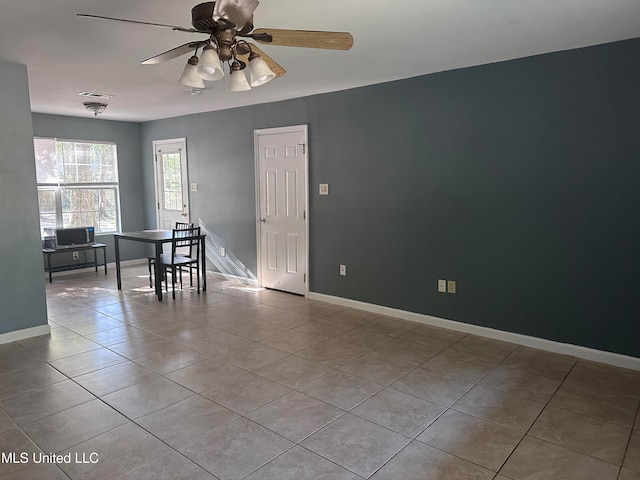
(227, 23)
(190, 77)
(259, 71)
(237, 79)
(209, 66)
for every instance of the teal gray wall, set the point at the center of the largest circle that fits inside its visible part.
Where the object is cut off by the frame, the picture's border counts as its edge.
(220, 160)
(21, 283)
(519, 180)
(126, 136)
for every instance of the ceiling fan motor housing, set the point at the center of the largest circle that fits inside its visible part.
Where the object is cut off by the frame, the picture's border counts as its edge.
(202, 17)
(226, 39)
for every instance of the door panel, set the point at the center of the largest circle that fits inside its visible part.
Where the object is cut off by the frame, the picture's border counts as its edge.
(292, 252)
(271, 184)
(291, 194)
(282, 202)
(272, 251)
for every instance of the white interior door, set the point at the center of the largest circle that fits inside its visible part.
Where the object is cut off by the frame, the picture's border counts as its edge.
(172, 192)
(281, 170)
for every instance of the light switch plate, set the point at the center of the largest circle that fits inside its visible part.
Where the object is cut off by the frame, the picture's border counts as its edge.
(451, 286)
(324, 189)
(442, 286)
(194, 187)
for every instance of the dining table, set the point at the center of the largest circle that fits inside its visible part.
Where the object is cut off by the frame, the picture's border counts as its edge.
(157, 238)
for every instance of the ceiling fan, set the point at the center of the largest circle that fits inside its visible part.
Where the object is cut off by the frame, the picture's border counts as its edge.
(228, 23)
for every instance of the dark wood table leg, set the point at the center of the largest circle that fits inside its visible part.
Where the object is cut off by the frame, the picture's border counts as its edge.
(49, 266)
(204, 267)
(95, 258)
(158, 271)
(117, 251)
(104, 257)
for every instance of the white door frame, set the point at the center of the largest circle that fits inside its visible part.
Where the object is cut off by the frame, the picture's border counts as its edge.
(155, 144)
(256, 137)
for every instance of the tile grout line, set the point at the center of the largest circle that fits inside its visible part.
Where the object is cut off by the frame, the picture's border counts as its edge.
(546, 404)
(626, 450)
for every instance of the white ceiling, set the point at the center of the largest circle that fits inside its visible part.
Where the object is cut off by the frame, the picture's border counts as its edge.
(66, 54)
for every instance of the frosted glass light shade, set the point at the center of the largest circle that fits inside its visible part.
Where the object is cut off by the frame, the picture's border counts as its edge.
(190, 76)
(238, 81)
(209, 66)
(259, 72)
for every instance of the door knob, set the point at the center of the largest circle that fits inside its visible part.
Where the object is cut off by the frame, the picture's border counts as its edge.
(263, 220)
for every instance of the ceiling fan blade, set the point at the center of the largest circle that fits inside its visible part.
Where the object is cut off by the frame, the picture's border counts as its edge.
(303, 38)
(174, 52)
(173, 27)
(273, 65)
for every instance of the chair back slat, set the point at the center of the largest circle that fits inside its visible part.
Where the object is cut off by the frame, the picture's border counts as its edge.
(185, 237)
(186, 250)
(166, 248)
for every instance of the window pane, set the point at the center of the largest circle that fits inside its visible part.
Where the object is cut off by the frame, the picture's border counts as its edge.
(82, 153)
(172, 171)
(87, 162)
(107, 218)
(102, 158)
(47, 202)
(78, 219)
(78, 207)
(82, 207)
(67, 156)
(46, 163)
(83, 174)
(173, 201)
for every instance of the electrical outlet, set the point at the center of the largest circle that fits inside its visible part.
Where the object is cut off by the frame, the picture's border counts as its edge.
(442, 286)
(324, 189)
(343, 270)
(194, 187)
(223, 252)
(451, 286)
(75, 255)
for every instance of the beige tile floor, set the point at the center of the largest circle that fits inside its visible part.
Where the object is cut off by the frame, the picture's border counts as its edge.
(238, 383)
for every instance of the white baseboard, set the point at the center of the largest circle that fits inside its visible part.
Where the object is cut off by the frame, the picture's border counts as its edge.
(592, 354)
(247, 281)
(25, 333)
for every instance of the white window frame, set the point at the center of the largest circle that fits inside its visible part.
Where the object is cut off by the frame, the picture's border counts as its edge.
(60, 186)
